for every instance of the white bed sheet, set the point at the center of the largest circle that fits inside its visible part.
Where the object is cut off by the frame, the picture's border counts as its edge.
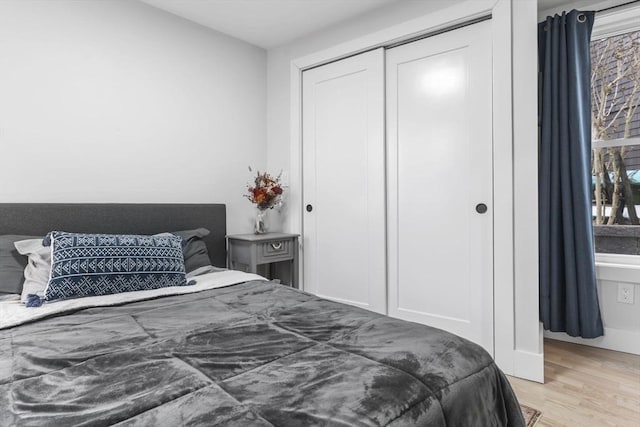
(13, 313)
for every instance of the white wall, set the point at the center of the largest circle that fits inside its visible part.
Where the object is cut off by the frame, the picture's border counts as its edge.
(528, 330)
(621, 320)
(116, 101)
(567, 5)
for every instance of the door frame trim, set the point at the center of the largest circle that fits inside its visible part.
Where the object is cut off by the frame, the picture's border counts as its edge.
(505, 284)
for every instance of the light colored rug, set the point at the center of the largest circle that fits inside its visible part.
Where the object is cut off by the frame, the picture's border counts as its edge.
(531, 416)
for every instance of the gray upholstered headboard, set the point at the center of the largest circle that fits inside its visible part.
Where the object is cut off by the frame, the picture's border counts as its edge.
(37, 219)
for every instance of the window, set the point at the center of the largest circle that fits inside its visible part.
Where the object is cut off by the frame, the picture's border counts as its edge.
(615, 86)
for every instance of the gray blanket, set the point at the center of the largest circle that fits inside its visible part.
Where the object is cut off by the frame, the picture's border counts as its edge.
(254, 354)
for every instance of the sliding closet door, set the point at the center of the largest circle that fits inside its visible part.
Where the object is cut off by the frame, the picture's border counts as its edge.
(439, 137)
(344, 181)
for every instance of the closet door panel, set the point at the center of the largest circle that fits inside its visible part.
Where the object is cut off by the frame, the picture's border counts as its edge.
(344, 181)
(440, 168)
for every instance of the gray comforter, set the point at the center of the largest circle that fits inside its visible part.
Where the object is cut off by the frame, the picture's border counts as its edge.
(254, 354)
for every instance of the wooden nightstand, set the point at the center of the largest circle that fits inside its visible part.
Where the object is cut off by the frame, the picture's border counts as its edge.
(273, 255)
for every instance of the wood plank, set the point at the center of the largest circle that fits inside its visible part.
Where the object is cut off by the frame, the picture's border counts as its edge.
(584, 386)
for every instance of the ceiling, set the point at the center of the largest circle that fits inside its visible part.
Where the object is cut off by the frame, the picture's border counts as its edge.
(272, 23)
(268, 23)
(556, 6)
(550, 4)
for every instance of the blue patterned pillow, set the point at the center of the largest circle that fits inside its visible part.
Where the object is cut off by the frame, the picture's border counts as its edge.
(100, 264)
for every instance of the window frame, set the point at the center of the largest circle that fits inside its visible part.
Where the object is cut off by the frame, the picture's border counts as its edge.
(609, 23)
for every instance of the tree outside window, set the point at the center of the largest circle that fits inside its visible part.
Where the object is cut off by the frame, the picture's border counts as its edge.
(615, 84)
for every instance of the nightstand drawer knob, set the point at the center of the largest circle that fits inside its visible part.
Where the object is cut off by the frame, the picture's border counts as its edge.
(276, 246)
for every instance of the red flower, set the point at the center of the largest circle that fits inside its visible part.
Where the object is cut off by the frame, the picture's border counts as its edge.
(266, 191)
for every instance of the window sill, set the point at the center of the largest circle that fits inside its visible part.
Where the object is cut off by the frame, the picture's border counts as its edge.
(618, 259)
(618, 267)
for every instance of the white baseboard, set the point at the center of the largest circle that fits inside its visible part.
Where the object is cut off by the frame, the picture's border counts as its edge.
(613, 339)
(529, 366)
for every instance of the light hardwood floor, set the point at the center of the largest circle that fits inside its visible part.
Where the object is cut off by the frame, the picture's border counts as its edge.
(584, 386)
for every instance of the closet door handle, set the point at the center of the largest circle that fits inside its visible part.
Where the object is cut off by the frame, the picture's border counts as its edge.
(481, 208)
(309, 208)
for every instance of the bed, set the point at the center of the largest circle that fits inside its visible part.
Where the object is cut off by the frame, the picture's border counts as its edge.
(239, 351)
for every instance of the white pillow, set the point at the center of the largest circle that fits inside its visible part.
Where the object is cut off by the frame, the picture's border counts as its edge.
(38, 270)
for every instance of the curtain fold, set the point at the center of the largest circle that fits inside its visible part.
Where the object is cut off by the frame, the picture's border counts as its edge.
(568, 295)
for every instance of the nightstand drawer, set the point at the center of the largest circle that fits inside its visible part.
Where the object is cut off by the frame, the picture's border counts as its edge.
(277, 250)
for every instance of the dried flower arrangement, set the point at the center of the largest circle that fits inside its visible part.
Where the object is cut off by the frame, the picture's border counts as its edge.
(266, 191)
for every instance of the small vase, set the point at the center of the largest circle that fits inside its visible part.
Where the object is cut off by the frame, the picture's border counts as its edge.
(260, 227)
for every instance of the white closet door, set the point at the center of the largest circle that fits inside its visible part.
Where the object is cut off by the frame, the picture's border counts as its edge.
(344, 182)
(439, 137)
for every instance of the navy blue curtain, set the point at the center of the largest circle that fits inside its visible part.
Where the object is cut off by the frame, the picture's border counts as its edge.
(568, 295)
